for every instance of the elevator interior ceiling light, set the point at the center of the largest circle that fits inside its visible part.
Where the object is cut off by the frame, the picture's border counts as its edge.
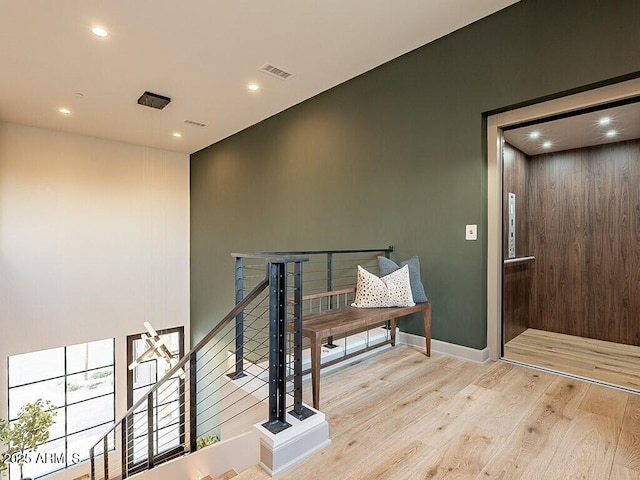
(579, 129)
(253, 87)
(177, 134)
(99, 31)
(612, 133)
(535, 134)
(547, 144)
(64, 111)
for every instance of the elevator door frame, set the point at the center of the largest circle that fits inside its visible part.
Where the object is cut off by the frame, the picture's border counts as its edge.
(495, 124)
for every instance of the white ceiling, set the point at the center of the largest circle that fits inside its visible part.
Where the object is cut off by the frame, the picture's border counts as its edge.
(202, 54)
(577, 131)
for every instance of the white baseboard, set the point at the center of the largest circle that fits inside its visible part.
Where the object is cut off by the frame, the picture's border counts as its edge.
(480, 356)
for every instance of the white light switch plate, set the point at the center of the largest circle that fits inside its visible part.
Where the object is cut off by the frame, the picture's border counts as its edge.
(471, 232)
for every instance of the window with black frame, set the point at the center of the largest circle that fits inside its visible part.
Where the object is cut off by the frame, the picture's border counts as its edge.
(169, 413)
(79, 381)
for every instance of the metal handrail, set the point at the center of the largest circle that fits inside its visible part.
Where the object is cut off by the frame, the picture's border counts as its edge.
(519, 259)
(288, 254)
(183, 361)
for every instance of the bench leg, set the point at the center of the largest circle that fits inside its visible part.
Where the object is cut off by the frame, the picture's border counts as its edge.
(393, 331)
(315, 371)
(427, 329)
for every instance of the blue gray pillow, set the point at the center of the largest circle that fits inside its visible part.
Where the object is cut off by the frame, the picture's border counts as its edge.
(386, 266)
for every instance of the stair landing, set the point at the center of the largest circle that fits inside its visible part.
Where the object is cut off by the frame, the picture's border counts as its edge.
(226, 475)
(253, 473)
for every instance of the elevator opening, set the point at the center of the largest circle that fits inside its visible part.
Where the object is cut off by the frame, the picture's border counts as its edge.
(567, 242)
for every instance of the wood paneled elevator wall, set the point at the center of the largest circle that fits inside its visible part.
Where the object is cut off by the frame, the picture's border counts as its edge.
(583, 220)
(516, 276)
(584, 207)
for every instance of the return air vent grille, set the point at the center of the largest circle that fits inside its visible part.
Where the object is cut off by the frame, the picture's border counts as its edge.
(195, 124)
(275, 72)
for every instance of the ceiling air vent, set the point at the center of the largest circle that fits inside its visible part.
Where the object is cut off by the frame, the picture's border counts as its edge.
(195, 124)
(275, 72)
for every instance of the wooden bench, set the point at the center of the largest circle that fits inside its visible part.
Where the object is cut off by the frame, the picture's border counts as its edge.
(346, 319)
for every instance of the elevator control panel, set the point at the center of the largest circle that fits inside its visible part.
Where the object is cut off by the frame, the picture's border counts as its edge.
(512, 225)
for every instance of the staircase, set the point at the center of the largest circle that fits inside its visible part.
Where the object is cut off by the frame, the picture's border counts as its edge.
(235, 400)
(253, 473)
(225, 476)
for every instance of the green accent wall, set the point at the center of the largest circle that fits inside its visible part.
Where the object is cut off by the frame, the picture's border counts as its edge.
(398, 156)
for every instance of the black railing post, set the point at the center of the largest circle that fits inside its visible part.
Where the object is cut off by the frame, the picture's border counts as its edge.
(150, 449)
(92, 459)
(387, 255)
(193, 399)
(239, 320)
(329, 272)
(105, 446)
(330, 343)
(299, 411)
(277, 348)
(123, 447)
(282, 342)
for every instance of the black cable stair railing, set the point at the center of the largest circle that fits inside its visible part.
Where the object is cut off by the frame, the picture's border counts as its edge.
(251, 358)
(166, 422)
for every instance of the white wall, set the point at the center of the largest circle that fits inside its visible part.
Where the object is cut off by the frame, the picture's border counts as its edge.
(94, 240)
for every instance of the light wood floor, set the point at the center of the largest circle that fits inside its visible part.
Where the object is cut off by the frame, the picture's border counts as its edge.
(604, 361)
(400, 415)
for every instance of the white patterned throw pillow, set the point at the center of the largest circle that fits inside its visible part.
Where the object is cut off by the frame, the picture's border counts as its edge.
(393, 290)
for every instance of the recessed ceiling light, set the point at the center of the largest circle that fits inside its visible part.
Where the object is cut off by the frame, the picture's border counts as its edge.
(64, 111)
(177, 134)
(79, 94)
(533, 135)
(99, 31)
(547, 144)
(604, 121)
(253, 87)
(612, 133)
